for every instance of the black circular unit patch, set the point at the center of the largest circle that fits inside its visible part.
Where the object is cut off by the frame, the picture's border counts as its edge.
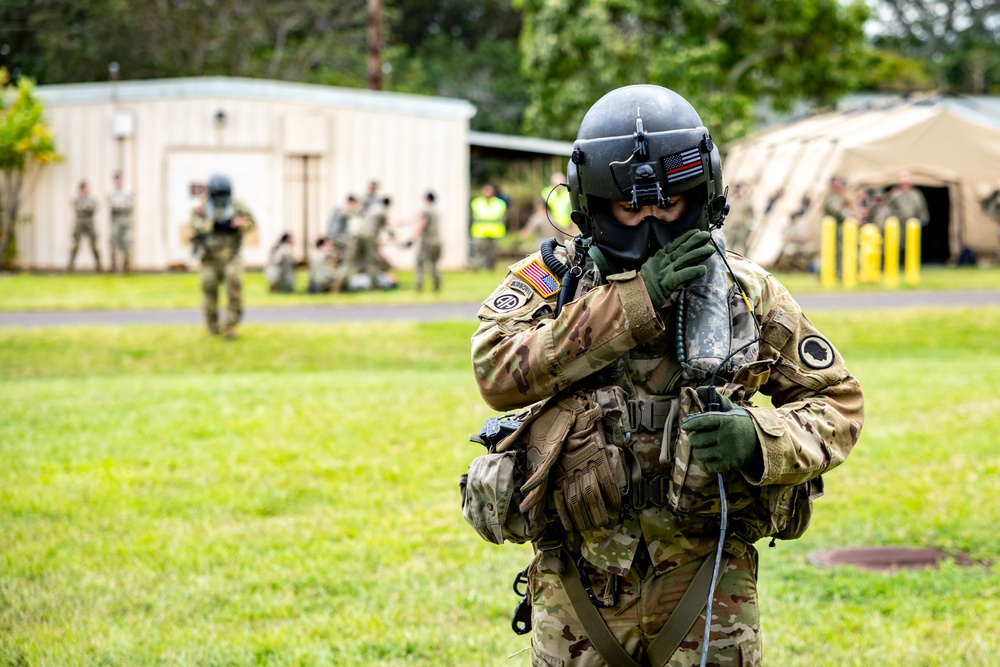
(816, 352)
(507, 301)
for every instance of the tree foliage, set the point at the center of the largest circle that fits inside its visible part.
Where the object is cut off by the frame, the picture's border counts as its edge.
(957, 41)
(24, 139)
(458, 48)
(296, 40)
(720, 54)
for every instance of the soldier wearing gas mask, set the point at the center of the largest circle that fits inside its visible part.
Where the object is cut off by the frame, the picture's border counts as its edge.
(634, 459)
(219, 224)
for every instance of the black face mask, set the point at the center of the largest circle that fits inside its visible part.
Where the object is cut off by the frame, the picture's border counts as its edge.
(629, 247)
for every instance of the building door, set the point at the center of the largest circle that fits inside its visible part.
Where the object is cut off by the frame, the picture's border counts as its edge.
(303, 215)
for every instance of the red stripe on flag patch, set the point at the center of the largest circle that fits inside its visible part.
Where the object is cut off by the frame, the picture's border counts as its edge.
(539, 277)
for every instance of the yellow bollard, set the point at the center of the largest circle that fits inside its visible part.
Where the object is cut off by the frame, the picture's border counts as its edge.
(828, 252)
(912, 270)
(849, 252)
(892, 251)
(871, 253)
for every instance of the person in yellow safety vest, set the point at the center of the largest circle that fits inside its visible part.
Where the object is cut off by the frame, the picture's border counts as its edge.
(489, 224)
(556, 197)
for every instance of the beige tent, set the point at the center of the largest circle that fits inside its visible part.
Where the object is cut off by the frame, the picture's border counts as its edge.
(951, 149)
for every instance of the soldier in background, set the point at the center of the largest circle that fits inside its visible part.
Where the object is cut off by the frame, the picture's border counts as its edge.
(363, 260)
(219, 224)
(429, 244)
(121, 204)
(321, 267)
(838, 202)
(337, 227)
(879, 210)
(280, 270)
(372, 197)
(908, 202)
(84, 207)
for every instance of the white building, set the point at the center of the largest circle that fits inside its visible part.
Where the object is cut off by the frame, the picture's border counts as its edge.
(292, 151)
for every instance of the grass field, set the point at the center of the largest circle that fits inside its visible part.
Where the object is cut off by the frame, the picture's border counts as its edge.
(181, 290)
(291, 499)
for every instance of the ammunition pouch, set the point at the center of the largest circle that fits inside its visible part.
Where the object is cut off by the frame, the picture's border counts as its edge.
(559, 458)
(491, 493)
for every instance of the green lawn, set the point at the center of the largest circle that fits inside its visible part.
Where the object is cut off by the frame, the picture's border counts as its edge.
(59, 291)
(291, 499)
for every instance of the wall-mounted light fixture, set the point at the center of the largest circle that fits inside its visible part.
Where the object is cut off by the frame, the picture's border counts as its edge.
(220, 119)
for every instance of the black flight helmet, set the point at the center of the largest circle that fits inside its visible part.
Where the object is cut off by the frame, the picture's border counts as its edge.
(643, 144)
(220, 191)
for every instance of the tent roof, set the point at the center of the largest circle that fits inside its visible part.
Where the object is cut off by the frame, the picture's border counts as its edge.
(944, 141)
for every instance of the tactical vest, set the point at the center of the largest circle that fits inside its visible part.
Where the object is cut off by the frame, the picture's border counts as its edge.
(659, 392)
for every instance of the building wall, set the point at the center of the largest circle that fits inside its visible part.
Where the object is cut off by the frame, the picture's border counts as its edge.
(269, 147)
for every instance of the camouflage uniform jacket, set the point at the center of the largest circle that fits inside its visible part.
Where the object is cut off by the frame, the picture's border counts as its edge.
(837, 206)
(908, 204)
(216, 245)
(121, 204)
(84, 207)
(522, 355)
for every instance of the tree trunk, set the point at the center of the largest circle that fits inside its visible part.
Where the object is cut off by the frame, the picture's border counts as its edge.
(11, 203)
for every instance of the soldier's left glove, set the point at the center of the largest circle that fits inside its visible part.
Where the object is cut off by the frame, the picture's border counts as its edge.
(585, 492)
(722, 441)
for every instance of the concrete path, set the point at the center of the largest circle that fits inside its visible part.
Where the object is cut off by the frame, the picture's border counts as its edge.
(436, 312)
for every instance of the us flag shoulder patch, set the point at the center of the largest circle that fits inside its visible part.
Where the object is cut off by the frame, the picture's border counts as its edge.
(682, 166)
(539, 277)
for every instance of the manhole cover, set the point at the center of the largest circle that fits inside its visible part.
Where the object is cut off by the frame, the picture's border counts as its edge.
(886, 558)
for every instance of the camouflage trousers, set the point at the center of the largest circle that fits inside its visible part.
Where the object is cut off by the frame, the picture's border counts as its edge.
(121, 248)
(427, 260)
(84, 231)
(484, 253)
(214, 272)
(558, 639)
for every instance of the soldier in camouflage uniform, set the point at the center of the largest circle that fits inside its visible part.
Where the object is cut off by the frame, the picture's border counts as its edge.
(121, 204)
(84, 207)
(280, 269)
(219, 225)
(626, 442)
(429, 245)
(906, 202)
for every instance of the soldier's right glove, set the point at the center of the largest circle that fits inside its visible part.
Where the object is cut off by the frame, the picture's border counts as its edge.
(675, 264)
(584, 491)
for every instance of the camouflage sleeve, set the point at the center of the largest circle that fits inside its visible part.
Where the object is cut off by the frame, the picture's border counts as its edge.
(199, 223)
(522, 354)
(243, 212)
(819, 408)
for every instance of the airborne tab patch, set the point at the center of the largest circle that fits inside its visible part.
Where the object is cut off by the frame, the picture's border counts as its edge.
(538, 276)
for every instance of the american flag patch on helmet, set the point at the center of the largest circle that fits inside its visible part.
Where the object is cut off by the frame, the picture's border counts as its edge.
(682, 166)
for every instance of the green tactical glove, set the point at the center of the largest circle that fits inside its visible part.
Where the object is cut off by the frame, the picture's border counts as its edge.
(722, 441)
(675, 264)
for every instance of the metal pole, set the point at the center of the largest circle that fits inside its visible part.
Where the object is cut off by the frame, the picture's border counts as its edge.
(305, 207)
